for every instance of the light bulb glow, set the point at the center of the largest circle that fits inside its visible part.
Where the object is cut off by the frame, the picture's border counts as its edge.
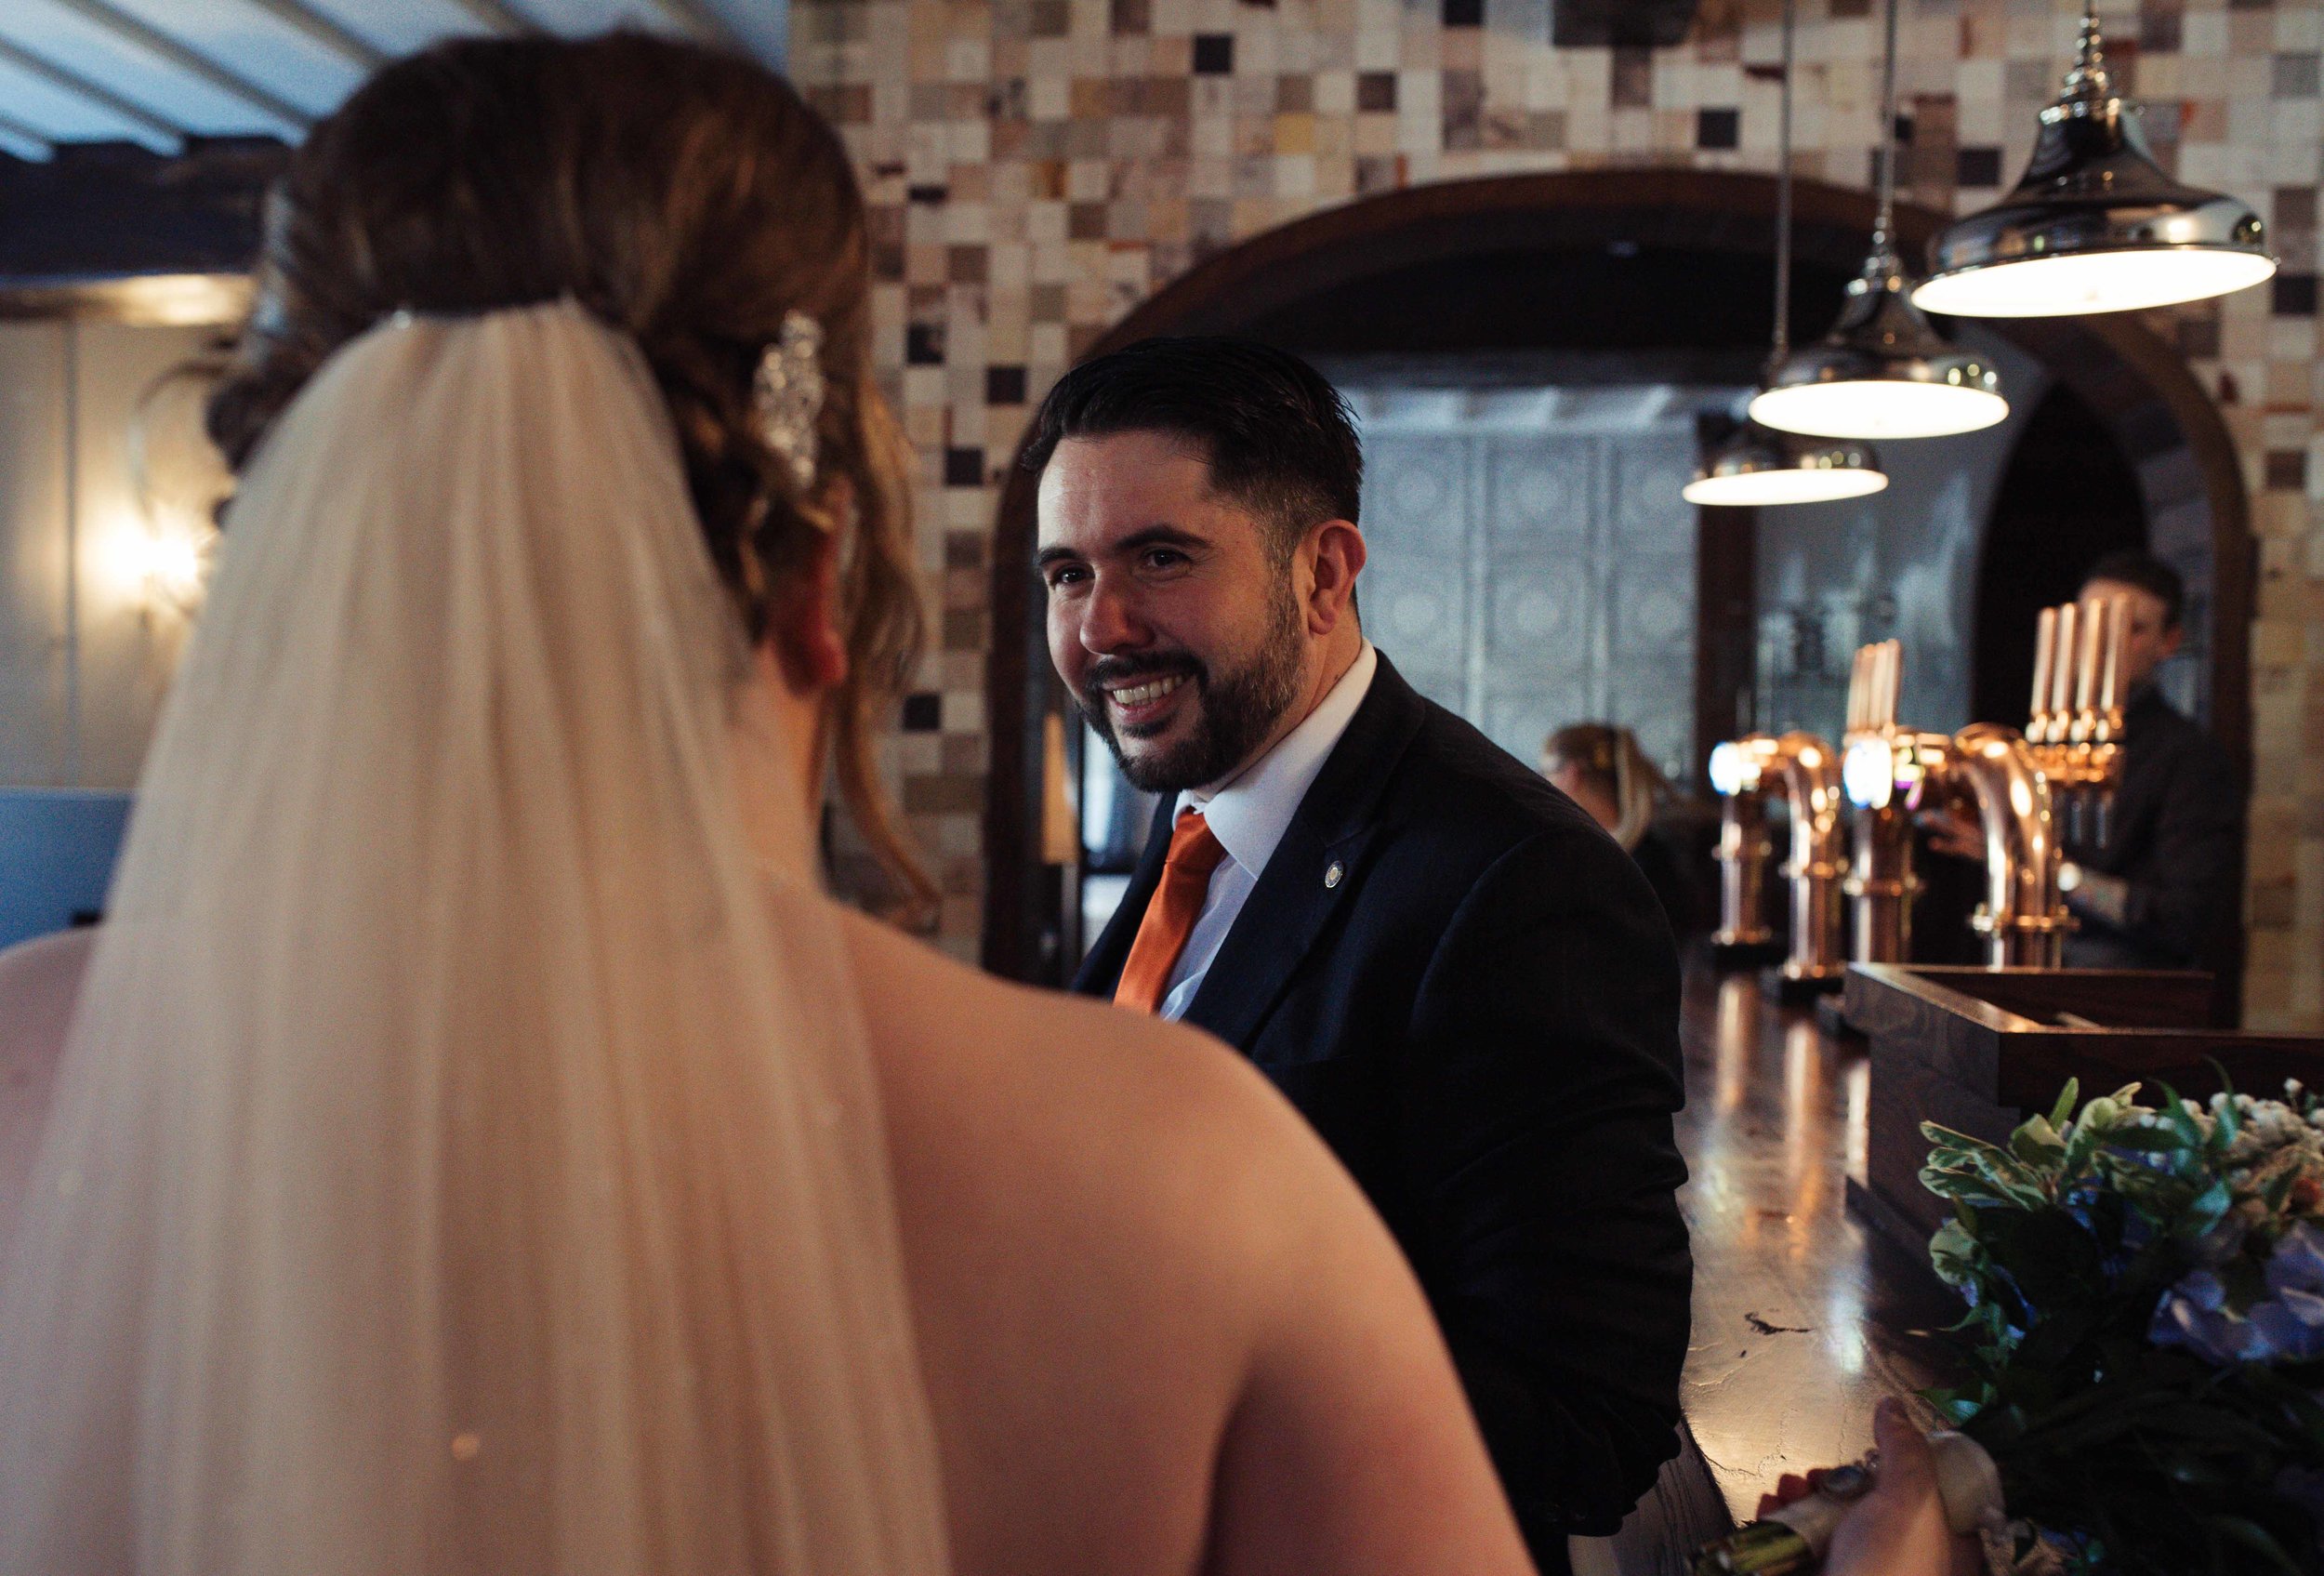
(1868, 772)
(164, 562)
(1878, 408)
(1792, 485)
(1731, 770)
(2125, 280)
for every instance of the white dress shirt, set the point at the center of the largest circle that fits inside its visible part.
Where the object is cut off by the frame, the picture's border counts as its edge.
(1248, 813)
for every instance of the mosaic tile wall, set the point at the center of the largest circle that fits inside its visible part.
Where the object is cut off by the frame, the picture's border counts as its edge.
(1037, 167)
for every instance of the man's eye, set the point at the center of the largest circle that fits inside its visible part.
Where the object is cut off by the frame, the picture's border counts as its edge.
(1071, 574)
(1163, 558)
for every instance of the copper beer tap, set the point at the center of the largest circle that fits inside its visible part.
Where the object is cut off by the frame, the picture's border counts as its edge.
(1880, 884)
(2069, 754)
(1743, 770)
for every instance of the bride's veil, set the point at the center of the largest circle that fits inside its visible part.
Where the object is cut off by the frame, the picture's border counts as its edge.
(466, 1156)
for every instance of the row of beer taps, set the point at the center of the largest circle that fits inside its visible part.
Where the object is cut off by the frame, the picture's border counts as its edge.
(1852, 810)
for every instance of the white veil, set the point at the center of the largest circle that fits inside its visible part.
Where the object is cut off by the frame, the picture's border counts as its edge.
(467, 1158)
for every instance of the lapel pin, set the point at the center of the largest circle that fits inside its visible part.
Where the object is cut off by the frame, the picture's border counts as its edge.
(1333, 872)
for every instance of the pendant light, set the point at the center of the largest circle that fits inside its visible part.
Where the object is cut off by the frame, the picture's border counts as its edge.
(1882, 371)
(1757, 467)
(2095, 225)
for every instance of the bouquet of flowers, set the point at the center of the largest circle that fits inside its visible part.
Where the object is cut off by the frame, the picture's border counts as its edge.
(2146, 1328)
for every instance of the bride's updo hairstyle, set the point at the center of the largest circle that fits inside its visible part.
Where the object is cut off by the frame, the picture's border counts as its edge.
(686, 196)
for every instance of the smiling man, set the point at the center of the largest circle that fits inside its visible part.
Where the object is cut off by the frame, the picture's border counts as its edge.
(1458, 977)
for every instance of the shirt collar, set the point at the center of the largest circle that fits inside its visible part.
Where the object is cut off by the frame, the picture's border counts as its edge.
(1252, 810)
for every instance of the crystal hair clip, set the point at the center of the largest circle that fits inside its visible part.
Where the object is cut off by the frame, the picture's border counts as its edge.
(787, 395)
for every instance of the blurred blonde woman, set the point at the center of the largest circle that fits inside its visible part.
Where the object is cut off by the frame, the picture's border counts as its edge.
(1601, 768)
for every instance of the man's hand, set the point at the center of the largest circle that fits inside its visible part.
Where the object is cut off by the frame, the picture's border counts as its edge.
(1953, 831)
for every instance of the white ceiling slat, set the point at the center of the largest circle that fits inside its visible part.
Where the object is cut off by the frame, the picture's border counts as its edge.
(97, 93)
(69, 36)
(153, 41)
(159, 71)
(325, 31)
(24, 142)
(289, 62)
(694, 18)
(497, 16)
(57, 115)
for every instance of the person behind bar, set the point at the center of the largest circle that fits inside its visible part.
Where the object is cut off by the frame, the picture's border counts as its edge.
(1454, 972)
(1601, 768)
(2162, 890)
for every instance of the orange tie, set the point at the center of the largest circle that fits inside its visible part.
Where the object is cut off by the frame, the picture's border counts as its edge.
(1170, 916)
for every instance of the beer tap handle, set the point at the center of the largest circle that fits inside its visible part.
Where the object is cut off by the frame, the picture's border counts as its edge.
(1891, 668)
(2093, 631)
(2045, 659)
(2062, 674)
(1856, 692)
(2117, 630)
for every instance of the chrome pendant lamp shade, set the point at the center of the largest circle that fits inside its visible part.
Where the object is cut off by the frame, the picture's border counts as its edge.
(2095, 225)
(1882, 371)
(1757, 466)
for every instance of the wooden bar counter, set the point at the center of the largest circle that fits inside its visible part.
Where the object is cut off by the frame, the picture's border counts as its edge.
(1804, 1317)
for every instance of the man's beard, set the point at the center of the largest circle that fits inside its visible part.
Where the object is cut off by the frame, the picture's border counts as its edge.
(1239, 709)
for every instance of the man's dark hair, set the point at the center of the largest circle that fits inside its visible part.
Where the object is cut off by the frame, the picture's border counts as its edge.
(2136, 566)
(1279, 439)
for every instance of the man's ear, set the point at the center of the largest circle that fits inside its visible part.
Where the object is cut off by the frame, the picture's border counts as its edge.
(1338, 548)
(2173, 639)
(804, 632)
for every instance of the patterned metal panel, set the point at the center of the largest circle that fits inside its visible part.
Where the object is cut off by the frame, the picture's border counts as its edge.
(1532, 579)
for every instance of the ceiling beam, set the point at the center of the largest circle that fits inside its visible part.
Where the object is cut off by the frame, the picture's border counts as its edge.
(325, 31)
(95, 92)
(699, 20)
(105, 212)
(153, 41)
(498, 15)
(16, 130)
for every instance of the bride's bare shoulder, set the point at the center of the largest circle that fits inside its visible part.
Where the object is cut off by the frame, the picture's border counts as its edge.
(40, 980)
(955, 1041)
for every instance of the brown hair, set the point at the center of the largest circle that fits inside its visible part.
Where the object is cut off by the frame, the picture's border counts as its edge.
(686, 197)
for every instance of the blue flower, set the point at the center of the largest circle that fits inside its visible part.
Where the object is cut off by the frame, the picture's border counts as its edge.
(2298, 1262)
(2287, 1324)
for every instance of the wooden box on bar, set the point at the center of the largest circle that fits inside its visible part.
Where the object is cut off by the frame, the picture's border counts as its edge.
(1978, 1050)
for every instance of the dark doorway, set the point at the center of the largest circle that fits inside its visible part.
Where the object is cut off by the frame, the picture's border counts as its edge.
(2069, 495)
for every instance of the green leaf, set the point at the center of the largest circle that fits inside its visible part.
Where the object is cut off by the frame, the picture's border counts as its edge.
(2223, 1112)
(2146, 1140)
(2063, 1109)
(2207, 1208)
(2036, 1142)
(2251, 1535)
(2181, 1119)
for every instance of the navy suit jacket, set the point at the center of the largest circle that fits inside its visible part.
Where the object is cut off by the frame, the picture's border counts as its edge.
(1479, 1014)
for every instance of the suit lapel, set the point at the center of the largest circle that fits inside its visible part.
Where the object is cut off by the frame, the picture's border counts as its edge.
(1298, 893)
(1101, 970)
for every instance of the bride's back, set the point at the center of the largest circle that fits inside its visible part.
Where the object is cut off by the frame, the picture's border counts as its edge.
(1161, 1328)
(1160, 1331)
